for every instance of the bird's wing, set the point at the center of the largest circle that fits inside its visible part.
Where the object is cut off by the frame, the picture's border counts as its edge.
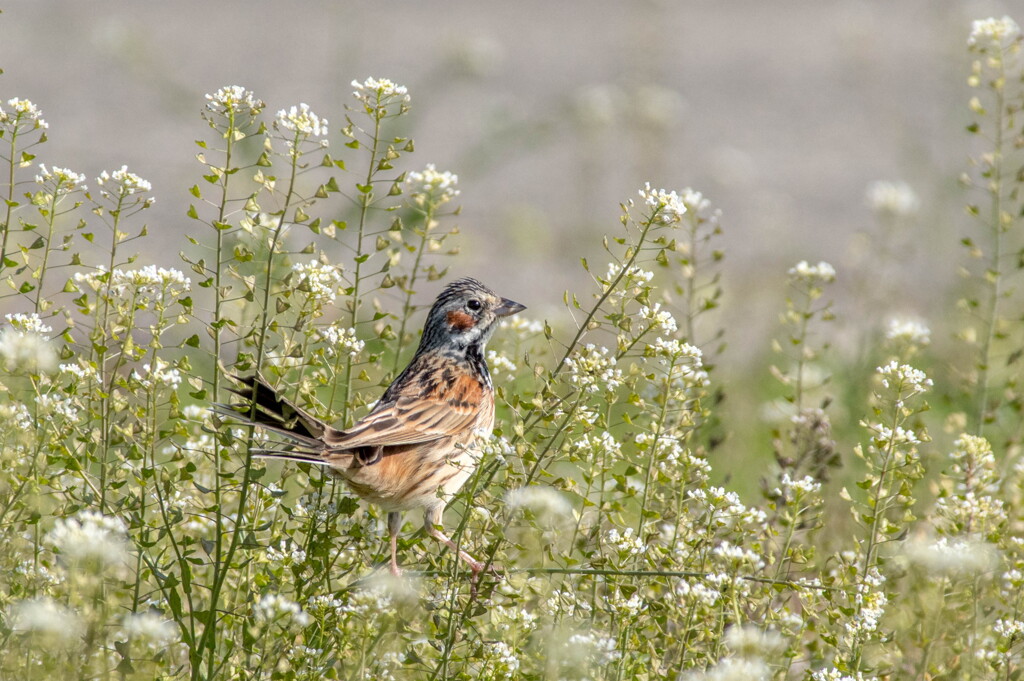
(418, 413)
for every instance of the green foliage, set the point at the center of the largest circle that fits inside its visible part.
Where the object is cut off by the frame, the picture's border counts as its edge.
(143, 540)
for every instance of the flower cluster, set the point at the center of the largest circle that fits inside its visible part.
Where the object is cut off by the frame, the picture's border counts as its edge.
(23, 110)
(432, 186)
(60, 181)
(592, 370)
(904, 379)
(993, 32)
(822, 273)
(26, 351)
(666, 207)
(908, 331)
(892, 198)
(276, 608)
(302, 121)
(321, 282)
(160, 374)
(126, 183)
(376, 92)
(90, 537)
(340, 341)
(233, 99)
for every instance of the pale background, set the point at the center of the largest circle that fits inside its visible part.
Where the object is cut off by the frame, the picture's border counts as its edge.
(552, 113)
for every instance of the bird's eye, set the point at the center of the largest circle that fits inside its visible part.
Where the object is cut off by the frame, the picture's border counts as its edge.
(474, 304)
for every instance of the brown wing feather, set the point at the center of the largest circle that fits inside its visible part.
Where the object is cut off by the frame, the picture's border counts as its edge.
(418, 414)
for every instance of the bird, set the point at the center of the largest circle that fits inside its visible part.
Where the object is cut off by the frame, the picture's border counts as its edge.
(418, 445)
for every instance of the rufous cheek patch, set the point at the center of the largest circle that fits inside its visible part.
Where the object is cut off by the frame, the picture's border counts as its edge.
(460, 320)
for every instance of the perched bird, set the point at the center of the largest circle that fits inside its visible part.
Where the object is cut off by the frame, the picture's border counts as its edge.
(415, 448)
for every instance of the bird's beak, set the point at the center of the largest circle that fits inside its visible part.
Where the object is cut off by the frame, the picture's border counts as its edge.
(508, 307)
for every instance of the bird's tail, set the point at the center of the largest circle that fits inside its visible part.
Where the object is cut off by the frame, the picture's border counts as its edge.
(263, 406)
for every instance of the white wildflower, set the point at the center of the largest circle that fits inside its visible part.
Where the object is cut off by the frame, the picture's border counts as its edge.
(162, 374)
(499, 362)
(233, 98)
(904, 378)
(666, 207)
(27, 323)
(503, 658)
(946, 556)
(437, 187)
(892, 198)
(601, 650)
(543, 501)
(523, 326)
(274, 607)
(752, 641)
(321, 282)
(592, 370)
(626, 542)
(790, 488)
(60, 180)
(377, 92)
(286, 555)
(151, 628)
(658, 319)
(24, 109)
(822, 273)
(90, 537)
(909, 331)
(340, 341)
(28, 352)
(47, 617)
(50, 404)
(993, 32)
(301, 119)
(732, 669)
(127, 183)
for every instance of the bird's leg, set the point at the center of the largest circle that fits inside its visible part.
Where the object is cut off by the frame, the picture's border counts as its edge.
(432, 523)
(394, 526)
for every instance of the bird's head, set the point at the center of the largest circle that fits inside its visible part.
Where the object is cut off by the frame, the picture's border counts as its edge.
(466, 313)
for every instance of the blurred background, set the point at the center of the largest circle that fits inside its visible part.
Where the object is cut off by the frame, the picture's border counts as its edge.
(552, 113)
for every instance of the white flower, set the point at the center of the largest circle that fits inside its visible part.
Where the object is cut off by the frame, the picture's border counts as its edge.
(90, 537)
(503, 658)
(992, 31)
(602, 650)
(294, 556)
(80, 370)
(320, 281)
(438, 187)
(160, 375)
(658, 319)
(540, 499)
(27, 323)
(274, 607)
(945, 556)
(24, 109)
(592, 370)
(232, 98)
(302, 120)
(892, 198)
(62, 180)
(666, 207)
(29, 352)
(833, 674)
(340, 341)
(499, 362)
(376, 92)
(813, 274)
(523, 326)
(626, 542)
(732, 669)
(151, 628)
(127, 183)
(908, 331)
(50, 404)
(752, 641)
(789, 488)
(903, 378)
(46, 616)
